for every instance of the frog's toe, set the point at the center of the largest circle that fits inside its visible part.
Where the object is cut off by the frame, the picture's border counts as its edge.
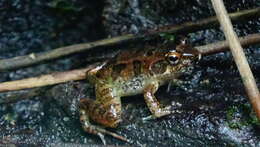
(175, 105)
(148, 118)
(102, 131)
(158, 113)
(101, 136)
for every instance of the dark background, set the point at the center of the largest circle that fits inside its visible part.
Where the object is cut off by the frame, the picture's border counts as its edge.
(216, 109)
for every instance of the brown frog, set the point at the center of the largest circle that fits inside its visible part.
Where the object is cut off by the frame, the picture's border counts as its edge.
(131, 73)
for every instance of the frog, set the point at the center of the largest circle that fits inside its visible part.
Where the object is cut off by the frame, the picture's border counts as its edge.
(130, 73)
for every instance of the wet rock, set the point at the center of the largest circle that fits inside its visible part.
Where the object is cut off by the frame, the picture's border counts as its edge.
(123, 17)
(137, 16)
(67, 96)
(29, 111)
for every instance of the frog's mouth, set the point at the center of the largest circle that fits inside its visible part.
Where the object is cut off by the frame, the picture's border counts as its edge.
(191, 58)
(188, 61)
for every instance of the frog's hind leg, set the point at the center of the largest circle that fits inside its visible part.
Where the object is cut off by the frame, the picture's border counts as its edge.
(90, 109)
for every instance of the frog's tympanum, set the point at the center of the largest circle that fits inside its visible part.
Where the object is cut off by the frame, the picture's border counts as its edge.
(131, 73)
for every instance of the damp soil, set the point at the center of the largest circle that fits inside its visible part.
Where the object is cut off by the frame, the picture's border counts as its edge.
(215, 111)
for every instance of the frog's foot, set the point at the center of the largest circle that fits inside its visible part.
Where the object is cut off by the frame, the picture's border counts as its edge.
(172, 109)
(97, 130)
(158, 113)
(108, 115)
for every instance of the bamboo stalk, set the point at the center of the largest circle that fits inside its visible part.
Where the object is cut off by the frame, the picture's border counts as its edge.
(239, 56)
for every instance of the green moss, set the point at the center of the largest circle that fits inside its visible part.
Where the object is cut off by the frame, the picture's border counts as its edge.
(168, 37)
(10, 118)
(63, 6)
(241, 115)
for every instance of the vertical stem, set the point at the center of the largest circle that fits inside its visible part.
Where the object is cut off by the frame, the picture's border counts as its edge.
(239, 55)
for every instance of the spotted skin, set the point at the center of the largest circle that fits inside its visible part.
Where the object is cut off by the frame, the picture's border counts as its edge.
(130, 73)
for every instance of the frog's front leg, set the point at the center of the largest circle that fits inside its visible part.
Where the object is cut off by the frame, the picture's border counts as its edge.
(153, 104)
(108, 114)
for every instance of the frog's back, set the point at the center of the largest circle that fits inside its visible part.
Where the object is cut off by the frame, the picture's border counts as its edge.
(129, 66)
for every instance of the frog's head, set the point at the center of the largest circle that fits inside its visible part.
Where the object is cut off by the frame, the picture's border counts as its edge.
(180, 61)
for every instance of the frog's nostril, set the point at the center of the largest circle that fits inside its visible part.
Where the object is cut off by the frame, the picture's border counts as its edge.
(186, 62)
(189, 69)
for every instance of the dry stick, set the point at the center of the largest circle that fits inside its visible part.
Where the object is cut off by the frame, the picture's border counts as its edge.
(80, 74)
(239, 56)
(223, 45)
(45, 80)
(32, 59)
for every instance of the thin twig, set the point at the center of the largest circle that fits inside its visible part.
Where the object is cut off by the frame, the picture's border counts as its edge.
(223, 45)
(79, 74)
(32, 59)
(239, 55)
(45, 80)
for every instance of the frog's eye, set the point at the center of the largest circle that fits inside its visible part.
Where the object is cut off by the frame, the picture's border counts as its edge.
(173, 59)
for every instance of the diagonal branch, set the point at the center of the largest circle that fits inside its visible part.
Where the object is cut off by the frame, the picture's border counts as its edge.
(239, 55)
(33, 59)
(224, 46)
